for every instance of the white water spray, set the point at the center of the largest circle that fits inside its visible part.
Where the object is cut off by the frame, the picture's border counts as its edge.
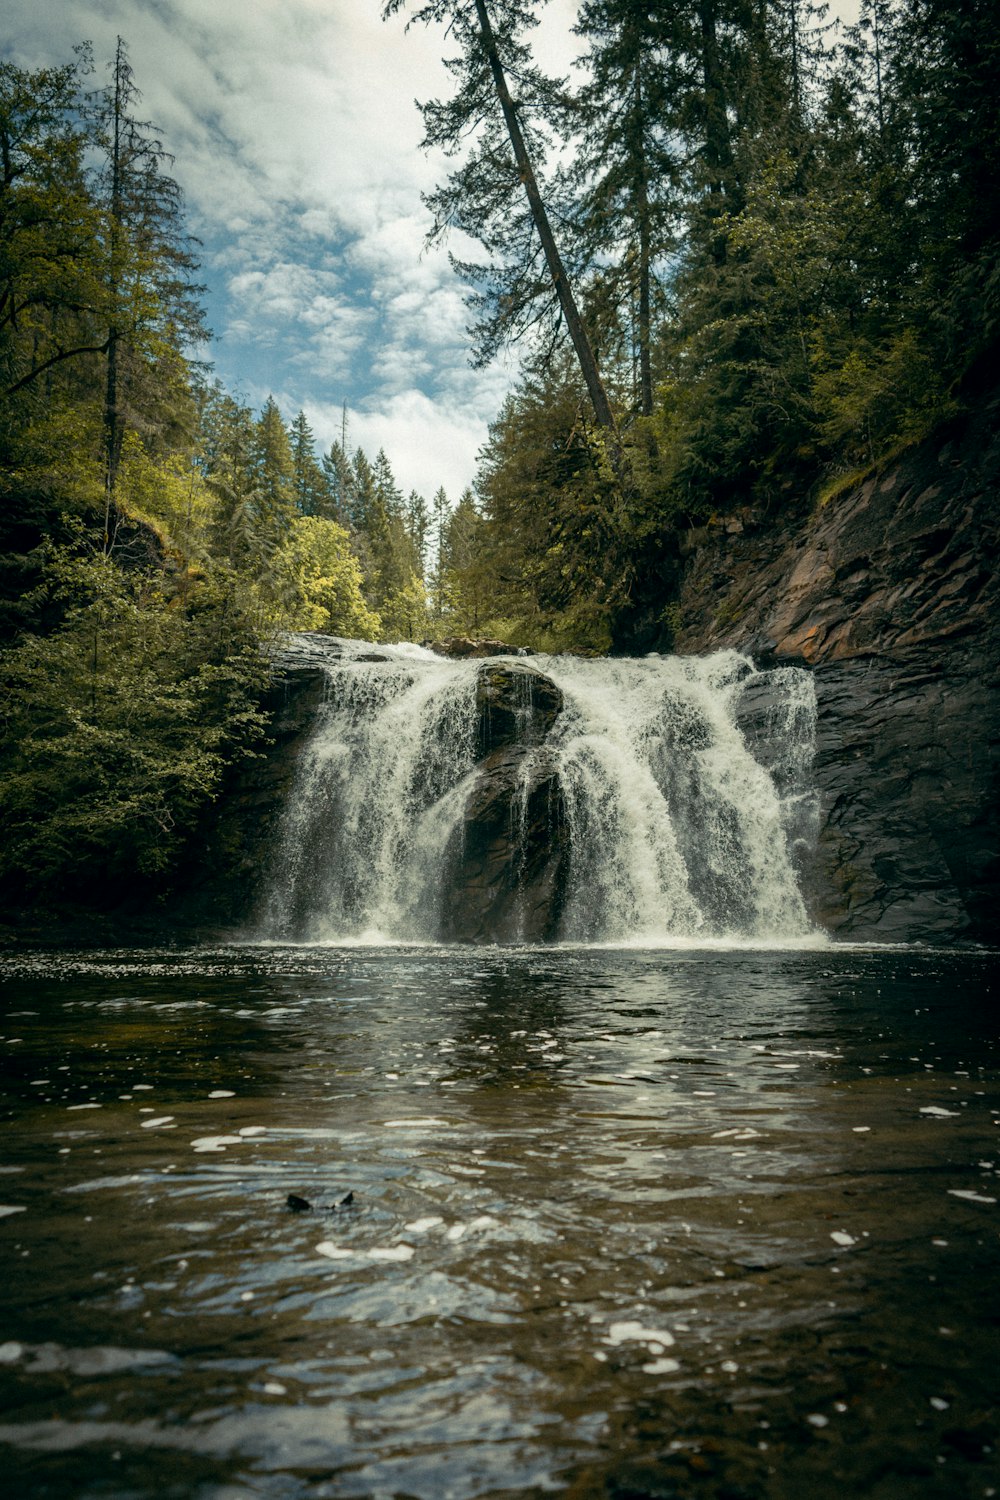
(684, 794)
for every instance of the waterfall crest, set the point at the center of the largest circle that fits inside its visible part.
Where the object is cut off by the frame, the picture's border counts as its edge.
(622, 801)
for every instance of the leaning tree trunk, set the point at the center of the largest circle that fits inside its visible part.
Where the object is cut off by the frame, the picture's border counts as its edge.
(567, 302)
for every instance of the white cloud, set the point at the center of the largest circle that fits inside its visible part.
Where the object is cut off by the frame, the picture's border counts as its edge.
(297, 145)
(427, 441)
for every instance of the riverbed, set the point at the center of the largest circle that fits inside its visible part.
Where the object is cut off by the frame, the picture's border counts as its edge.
(594, 1222)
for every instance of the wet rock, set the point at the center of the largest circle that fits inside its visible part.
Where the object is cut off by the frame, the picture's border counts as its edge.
(460, 646)
(299, 1205)
(909, 842)
(516, 705)
(890, 594)
(507, 864)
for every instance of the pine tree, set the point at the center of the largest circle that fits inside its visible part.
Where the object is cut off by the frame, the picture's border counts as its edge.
(466, 583)
(440, 512)
(52, 293)
(418, 526)
(627, 164)
(362, 495)
(479, 197)
(339, 477)
(312, 491)
(153, 309)
(229, 465)
(275, 476)
(387, 491)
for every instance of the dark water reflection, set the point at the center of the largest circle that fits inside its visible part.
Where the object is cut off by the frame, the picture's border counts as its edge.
(624, 1224)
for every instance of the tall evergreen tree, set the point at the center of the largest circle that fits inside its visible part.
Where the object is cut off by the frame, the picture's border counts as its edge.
(440, 513)
(362, 492)
(339, 477)
(466, 583)
(152, 306)
(312, 491)
(52, 293)
(229, 464)
(501, 163)
(627, 163)
(418, 526)
(275, 475)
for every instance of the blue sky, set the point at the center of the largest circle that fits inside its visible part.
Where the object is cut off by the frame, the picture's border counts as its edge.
(296, 141)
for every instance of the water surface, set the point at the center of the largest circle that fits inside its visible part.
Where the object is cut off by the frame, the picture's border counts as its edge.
(698, 1224)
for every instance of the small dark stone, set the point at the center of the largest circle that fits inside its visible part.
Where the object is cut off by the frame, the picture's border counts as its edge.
(971, 1445)
(298, 1205)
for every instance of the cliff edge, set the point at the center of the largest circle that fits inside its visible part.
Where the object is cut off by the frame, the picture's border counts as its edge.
(890, 594)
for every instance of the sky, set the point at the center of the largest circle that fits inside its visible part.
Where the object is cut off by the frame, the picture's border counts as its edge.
(296, 141)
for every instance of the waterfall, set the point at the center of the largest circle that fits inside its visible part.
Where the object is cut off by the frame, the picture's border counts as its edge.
(624, 801)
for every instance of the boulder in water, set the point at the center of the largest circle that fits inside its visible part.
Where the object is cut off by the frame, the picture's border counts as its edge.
(461, 647)
(508, 861)
(516, 705)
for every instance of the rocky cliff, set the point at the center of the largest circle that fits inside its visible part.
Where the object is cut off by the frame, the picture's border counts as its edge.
(890, 594)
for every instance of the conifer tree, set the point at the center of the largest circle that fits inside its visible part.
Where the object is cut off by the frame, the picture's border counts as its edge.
(418, 526)
(153, 308)
(466, 584)
(500, 164)
(339, 500)
(627, 165)
(52, 293)
(440, 511)
(229, 462)
(275, 476)
(310, 482)
(362, 492)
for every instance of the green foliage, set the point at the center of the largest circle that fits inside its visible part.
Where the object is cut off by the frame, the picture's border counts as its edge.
(318, 582)
(874, 400)
(154, 532)
(170, 495)
(787, 245)
(555, 543)
(312, 489)
(53, 300)
(118, 727)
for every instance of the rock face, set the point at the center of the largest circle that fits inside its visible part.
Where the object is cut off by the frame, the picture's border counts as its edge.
(891, 595)
(506, 867)
(222, 882)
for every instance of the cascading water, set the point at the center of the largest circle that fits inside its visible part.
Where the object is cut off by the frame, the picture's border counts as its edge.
(681, 797)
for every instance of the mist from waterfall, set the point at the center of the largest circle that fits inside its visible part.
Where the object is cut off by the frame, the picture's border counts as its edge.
(685, 791)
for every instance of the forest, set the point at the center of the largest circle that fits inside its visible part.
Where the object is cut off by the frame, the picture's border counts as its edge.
(744, 258)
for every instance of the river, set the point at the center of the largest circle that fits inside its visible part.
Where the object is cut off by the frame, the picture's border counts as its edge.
(702, 1222)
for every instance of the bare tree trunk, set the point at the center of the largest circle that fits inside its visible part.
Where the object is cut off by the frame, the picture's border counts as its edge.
(112, 415)
(567, 302)
(645, 257)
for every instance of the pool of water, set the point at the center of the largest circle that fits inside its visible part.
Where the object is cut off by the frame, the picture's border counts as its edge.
(624, 1224)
